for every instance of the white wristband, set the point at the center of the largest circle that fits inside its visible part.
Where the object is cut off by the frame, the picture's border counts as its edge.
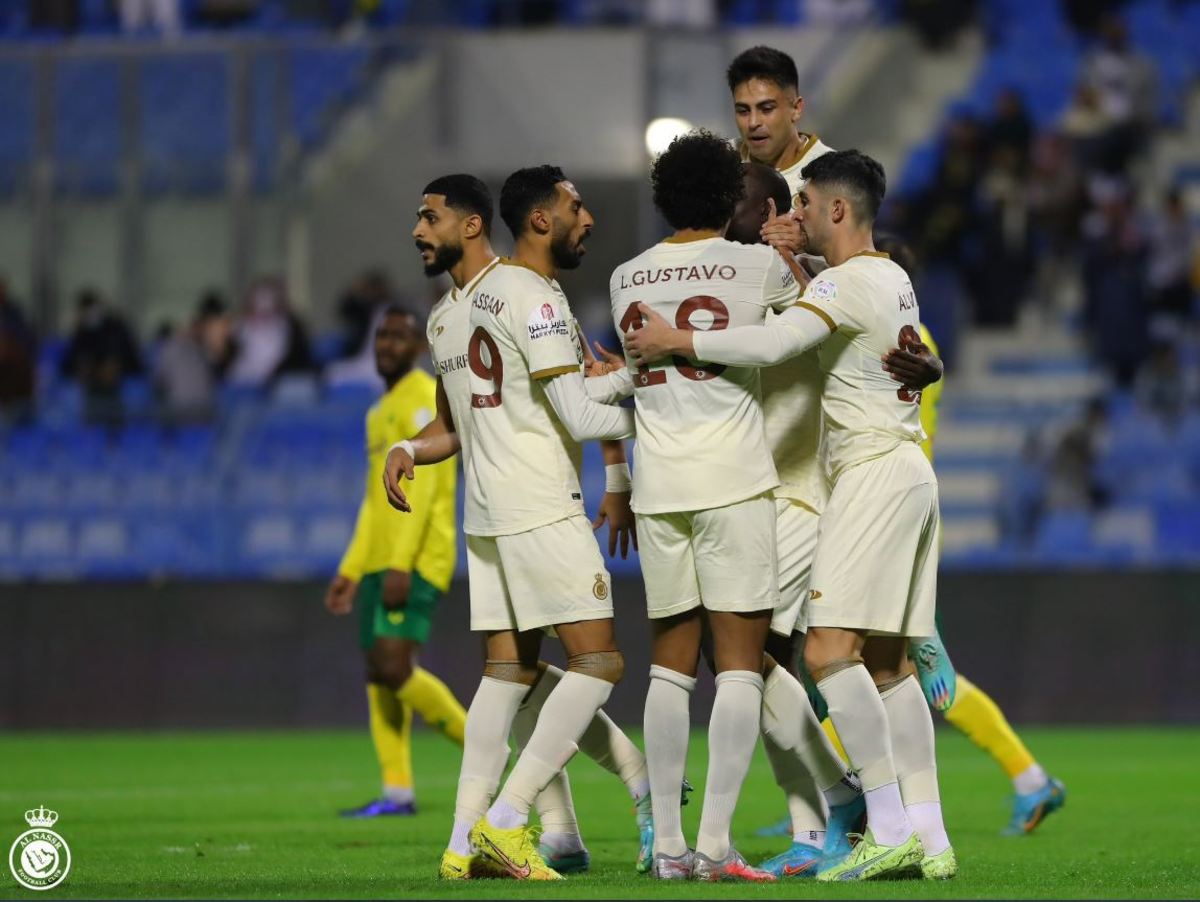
(407, 447)
(617, 478)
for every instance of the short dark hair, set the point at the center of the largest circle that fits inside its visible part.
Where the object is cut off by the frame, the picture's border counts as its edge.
(766, 63)
(466, 194)
(396, 308)
(860, 176)
(768, 182)
(697, 181)
(524, 191)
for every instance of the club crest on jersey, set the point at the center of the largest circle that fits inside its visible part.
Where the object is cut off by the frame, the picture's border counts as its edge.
(823, 290)
(546, 320)
(600, 587)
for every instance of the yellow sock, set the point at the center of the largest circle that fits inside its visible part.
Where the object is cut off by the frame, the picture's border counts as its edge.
(391, 731)
(827, 726)
(433, 700)
(981, 720)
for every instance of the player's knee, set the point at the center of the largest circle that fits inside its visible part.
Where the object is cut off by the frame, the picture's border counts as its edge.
(602, 665)
(820, 664)
(521, 672)
(394, 672)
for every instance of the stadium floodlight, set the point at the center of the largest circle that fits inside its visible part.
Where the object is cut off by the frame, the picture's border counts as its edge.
(661, 132)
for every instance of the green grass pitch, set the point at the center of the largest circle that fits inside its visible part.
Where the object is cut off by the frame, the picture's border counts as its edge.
(252, 815)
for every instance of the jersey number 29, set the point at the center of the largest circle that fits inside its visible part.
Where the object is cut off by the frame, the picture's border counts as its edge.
(646, 377)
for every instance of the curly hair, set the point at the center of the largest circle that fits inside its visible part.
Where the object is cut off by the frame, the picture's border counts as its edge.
(697, 181)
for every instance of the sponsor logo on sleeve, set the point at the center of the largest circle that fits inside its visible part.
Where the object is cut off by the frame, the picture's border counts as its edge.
(546, 320)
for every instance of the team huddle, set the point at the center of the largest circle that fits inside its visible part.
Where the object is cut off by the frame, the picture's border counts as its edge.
(780, 501)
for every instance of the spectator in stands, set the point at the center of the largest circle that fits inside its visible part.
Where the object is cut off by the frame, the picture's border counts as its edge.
(1116, 305)
(216, 332)
(18, 351)
(1011, 128)
(359, 311)
(1086, 16)
(60, 15)
(185, 378)
(1073, 483)
(1057, 202)
(1172, 252)
(359, 307)
(162, 16)
(100, 355)
(1085, 125)
(938, 21)
(1162, 387)
(269, 340)
(1124, 82)
(1002, 274)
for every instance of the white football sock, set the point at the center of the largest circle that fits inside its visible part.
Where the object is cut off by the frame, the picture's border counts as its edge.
(1031, 779)
(862, 724)
(667, 723)
(568, 710)
(603, 741)
(910, 727)
(789, 718)
(554, 804)
(732, 735)
(401, 794)
(805, 802)
(485, 752)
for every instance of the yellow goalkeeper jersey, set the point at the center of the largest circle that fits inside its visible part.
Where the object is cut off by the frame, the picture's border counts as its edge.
(931, 397)
(385, 539)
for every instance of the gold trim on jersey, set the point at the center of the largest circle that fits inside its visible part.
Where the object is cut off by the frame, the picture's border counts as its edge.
(554, 371)
(819, 312)
(466, 289)
(675, 239)
(810, 141)
(509, 261)
(884, 254)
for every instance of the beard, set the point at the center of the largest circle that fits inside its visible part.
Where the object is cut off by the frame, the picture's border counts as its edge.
(565, 254)
(444, 258)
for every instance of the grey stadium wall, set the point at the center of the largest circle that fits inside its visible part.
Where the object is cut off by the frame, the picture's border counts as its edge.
(1081, 647)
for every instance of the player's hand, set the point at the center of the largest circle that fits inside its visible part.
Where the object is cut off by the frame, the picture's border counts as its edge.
(605, 361)
(653, 341)
(398, 464)
(622, 525)
(914, 366)
(339, 597)
(783, 232)
(396, 584)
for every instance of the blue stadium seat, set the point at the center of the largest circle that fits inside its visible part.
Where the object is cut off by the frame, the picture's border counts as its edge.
(1064, 537)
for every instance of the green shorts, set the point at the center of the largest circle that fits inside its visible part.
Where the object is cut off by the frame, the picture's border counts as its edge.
(413, 621)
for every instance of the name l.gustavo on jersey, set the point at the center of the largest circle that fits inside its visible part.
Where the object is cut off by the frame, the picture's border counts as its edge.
(707, 272)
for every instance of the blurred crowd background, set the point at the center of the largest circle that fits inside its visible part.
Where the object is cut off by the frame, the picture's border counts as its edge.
(1052, 201)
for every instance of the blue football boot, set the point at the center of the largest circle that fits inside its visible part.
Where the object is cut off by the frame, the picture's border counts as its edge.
(845, 819)
(382, 808)
(800, 860)
(1031, 809)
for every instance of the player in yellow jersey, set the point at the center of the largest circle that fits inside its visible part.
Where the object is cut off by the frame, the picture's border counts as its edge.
(967, 707)
(396, 568)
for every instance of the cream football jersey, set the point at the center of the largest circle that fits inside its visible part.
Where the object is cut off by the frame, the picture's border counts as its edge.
(791, 391)
(523, 468)
(448, 330)
(700, 441)
(869, 303)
